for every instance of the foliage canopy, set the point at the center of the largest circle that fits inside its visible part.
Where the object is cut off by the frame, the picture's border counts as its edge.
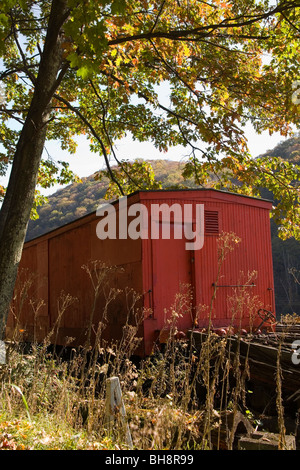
(174, 72)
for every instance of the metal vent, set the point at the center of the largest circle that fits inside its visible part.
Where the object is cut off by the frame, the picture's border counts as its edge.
(211, 219)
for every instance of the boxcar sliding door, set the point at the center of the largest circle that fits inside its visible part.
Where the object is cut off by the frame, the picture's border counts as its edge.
(172, 279)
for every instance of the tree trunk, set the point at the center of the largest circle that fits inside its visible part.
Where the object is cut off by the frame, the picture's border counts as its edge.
(19, 198)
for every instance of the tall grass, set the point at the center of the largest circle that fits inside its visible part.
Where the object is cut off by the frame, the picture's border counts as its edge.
(174, 399)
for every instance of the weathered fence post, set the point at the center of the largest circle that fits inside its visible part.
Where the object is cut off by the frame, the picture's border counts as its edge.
(114, 403)
(2, 353)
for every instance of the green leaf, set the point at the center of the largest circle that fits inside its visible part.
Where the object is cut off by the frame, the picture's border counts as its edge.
(15, 387)
(84, 72)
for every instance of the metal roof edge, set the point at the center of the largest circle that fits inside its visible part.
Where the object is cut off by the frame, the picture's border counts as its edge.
(221, 191)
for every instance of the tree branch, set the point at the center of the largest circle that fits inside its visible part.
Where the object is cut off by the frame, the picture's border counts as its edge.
(26, 67)
(108, 136)
(195, 34)
(94, 133)
(158, 15)
(290, 22)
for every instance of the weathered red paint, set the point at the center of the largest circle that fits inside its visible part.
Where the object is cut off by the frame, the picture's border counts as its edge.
(157, 269)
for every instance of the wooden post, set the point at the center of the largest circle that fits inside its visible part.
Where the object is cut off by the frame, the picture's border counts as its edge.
(2, 353)
(114, 404)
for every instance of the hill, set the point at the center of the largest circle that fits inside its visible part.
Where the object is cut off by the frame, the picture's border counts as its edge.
(79, 199)
(288, 150)
(286, 254)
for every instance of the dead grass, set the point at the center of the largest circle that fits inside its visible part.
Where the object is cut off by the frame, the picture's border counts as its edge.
(173, 398)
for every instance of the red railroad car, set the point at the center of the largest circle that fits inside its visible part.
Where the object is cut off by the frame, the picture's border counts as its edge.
(200, 256)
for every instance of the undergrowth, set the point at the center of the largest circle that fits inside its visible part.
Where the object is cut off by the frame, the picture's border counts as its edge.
(173, 399)
(47, 402)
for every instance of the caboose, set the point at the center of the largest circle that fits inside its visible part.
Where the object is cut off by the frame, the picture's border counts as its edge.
(198, 258)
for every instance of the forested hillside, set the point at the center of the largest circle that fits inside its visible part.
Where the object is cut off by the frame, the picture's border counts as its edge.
(286, 254)
(79, 199)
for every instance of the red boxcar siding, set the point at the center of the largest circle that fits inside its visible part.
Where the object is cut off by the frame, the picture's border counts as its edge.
(171, 265)
(156, 269)
(56, 261)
